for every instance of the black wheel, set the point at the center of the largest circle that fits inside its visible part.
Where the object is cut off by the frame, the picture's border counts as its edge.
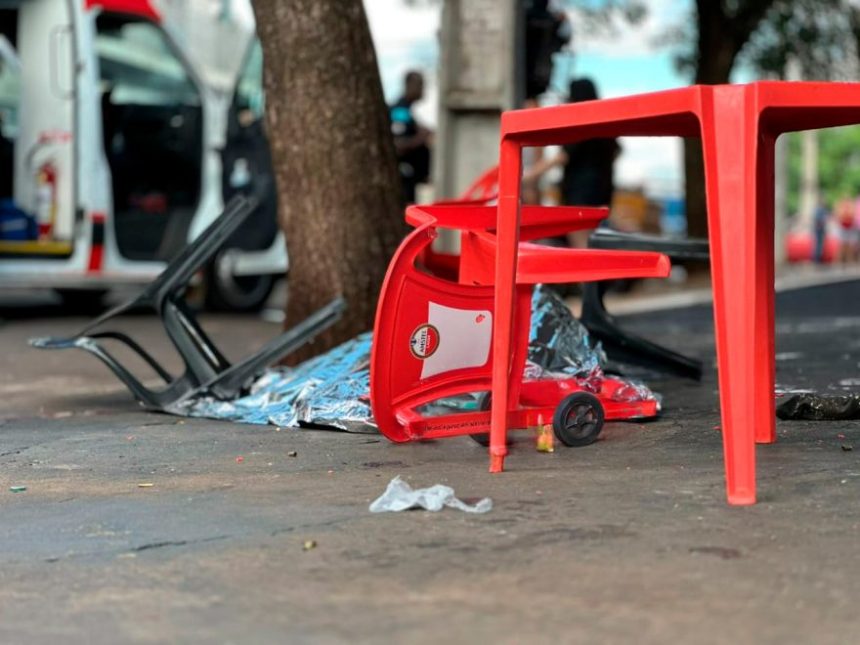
(84, 301)
(228, 292)
(578, 419)
(485, 402)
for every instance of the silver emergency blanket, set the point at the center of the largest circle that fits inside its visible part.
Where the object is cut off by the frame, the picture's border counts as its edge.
(328, 390)
(332, 389)
(558, 342)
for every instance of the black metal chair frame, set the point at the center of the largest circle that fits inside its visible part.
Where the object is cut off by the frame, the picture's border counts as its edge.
(624, 346)
(206, 370)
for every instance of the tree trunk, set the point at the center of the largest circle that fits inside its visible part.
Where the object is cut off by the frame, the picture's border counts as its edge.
(333, 157)
(715, 58)
(720, 38)
(695, 199)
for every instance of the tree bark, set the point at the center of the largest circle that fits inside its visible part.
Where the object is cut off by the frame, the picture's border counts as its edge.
(333, 156)
(715, 57)
(720, 39)
(715, 67)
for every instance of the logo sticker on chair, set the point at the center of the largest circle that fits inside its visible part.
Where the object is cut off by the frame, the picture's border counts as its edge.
(424, 341)
(452, 339)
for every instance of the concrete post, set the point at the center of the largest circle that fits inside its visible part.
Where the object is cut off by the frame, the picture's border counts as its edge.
(480, 72)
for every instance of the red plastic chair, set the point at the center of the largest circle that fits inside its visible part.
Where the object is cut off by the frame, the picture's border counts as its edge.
(433, 337)
(483, 190)
(738, 125)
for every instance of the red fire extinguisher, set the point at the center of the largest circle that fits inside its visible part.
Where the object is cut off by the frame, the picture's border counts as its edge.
(46, 199)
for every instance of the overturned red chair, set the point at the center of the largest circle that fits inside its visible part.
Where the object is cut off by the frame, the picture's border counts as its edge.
(433, 335)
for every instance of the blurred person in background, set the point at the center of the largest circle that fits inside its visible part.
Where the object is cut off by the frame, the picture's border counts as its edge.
(820, 218)
(412, 141)
(856, 204)
(588, 178)
(844, 213)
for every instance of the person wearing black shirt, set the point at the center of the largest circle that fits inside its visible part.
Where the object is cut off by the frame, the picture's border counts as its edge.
(588, 165)
(411, 140)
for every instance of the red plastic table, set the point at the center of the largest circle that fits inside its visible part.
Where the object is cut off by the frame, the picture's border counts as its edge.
(738, 125)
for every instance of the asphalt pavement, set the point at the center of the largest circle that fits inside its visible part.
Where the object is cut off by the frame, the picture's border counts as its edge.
(146, 528)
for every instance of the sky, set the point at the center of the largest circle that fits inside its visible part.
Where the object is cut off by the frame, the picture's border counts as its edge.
(625, 60)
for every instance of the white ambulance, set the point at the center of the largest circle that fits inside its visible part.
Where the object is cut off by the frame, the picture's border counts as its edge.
(124, 126)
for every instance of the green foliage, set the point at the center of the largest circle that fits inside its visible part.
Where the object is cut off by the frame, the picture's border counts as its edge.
(820, 36)
(714, 25)
(838, 165)
(602, 13)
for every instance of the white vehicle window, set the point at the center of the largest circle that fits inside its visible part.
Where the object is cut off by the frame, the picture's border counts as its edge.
(249, 91)
(152, 122)
(139, 67)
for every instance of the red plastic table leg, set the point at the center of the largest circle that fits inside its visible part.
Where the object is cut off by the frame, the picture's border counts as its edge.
(739, 177)
(765, 364)
(510, 168)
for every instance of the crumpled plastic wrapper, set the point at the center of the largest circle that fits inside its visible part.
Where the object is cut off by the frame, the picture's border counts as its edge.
(332, 390)
(809, 406)
(400, 496)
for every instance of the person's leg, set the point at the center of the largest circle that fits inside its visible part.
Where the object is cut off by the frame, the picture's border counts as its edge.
(818, 253)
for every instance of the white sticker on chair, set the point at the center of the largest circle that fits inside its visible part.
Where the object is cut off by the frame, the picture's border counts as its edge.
(462, 339)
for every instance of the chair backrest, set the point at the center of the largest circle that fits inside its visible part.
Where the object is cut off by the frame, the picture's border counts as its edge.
(432, 337)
